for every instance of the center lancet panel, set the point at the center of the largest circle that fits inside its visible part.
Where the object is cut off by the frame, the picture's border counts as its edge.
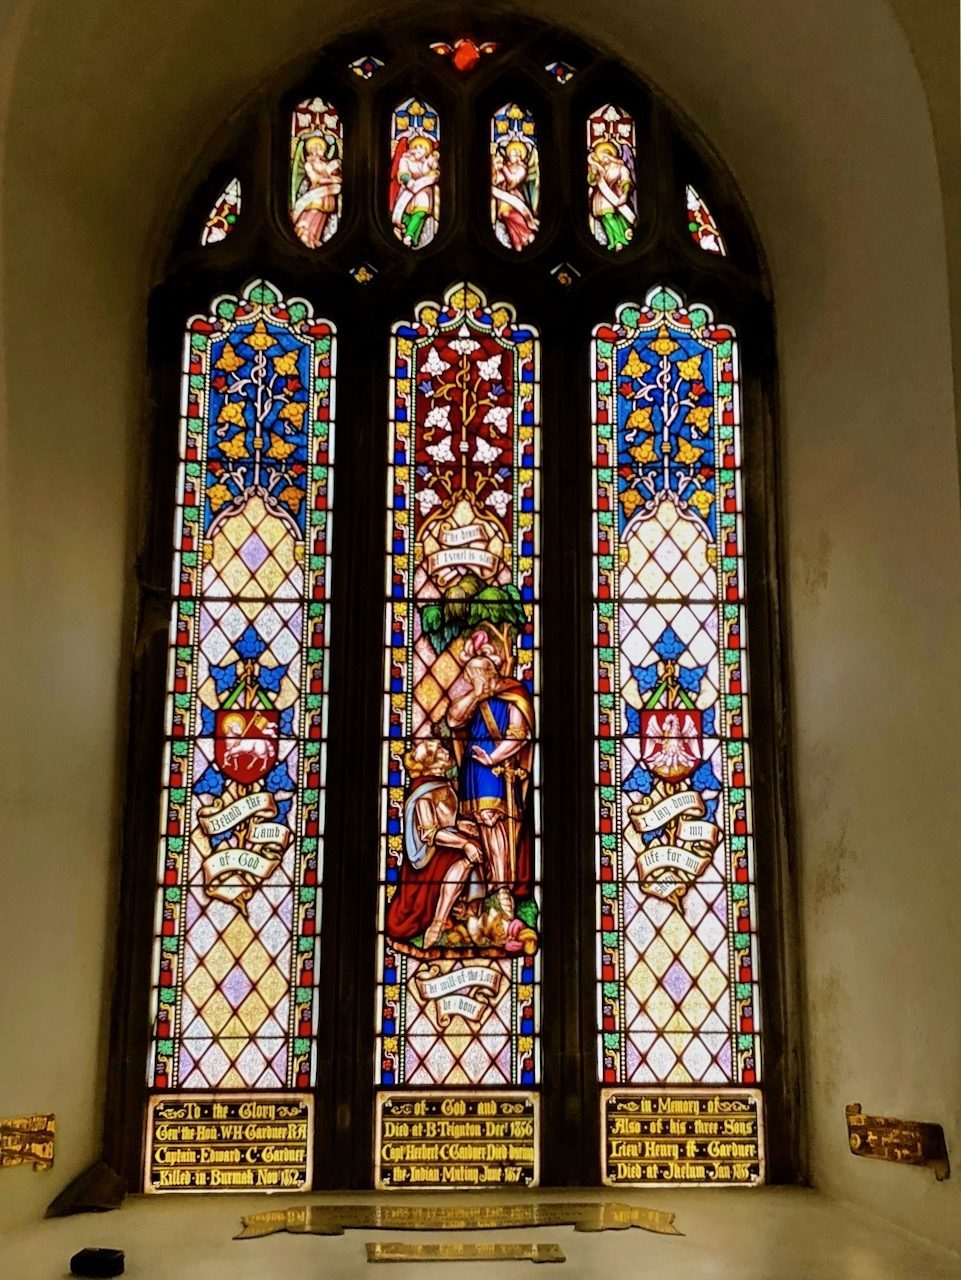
(458, 962)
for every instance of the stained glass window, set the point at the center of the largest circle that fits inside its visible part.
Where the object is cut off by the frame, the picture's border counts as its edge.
(677, 980)
(316, 173)
(223, 216)
(460, 932)
(515, 176)
(414, 194)
(611, 177)
(431, 813)
(236, 952)
(702, 226)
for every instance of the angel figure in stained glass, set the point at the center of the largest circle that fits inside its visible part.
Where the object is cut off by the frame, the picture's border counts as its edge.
(415, 170)
(515, 193)
(610, 177)
(316, 181)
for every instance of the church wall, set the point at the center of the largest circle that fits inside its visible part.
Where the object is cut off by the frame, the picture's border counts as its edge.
(820, 114)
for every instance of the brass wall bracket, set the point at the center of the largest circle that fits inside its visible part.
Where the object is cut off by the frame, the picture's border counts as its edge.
(902, 1141)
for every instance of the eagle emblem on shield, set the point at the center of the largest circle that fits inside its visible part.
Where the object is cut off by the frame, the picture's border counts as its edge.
(246, 742)
(671, 742)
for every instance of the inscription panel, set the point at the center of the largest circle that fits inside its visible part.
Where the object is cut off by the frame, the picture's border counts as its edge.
(215, 1142)
(450, 1140)
(685, 1137)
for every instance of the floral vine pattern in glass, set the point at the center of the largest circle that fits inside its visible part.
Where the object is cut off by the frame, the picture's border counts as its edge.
(223, 216)
(236, 953)
(414, 194)
(316, 173)
(612, 177)
(678, 996)
(702, 226)
(515, 176)
(459, 922)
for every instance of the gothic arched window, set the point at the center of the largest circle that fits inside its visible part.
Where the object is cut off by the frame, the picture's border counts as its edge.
(470, 849)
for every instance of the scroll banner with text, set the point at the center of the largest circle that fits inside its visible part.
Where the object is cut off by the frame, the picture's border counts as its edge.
(448, 990)
(231, 873)
(682, 1137)
(451, 1140)
(657, 862)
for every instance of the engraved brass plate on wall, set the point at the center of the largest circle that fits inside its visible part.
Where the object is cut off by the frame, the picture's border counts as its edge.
(902, 1141)
(27, 1140)
(446, 1141)
(335, 1219)
(396, 1252)
(240, 1142)
(682, 1137)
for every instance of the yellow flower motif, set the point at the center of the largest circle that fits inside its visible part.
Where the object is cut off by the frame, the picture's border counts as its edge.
(525, 1044)
(429, 316)
(397, 701)
(294, 412)
(233, 413)
(526, 433)
(630, 500)
(402, 430)
(465, 299)
(403, 386)
(663, 344)
(635, 366)
(640, 419)
(690, 369)
(280, 448)
(235, 448)
(702, 501)
(286, 364)
(643, 452)
(291, 497)
(260, 339)
(392, 993)
(229, 360)
(404, 346)
(687, 452)
(500, 317)
(712, 554)
(525, 350)
(218, 495)
(699, 418)
(390, 1044)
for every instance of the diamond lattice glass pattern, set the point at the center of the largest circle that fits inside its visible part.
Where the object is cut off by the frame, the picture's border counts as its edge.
(459, 918)
(677, 998)
(236, 951)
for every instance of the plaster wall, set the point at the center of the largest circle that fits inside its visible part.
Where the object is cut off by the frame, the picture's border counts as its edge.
(820, 113)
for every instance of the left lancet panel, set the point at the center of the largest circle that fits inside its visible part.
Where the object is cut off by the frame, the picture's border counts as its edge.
(236, 951)
(224, 215)
(316, 171)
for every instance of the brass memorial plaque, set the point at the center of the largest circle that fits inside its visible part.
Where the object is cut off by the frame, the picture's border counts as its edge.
(451, 1140)
(27, 1140)
(216, 1142)
(685, 1137)
(397, 1252)
(335, 1219)
(903, 1141)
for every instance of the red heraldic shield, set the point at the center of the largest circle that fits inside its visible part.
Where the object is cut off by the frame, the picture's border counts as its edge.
(671, 746)
(246, 742)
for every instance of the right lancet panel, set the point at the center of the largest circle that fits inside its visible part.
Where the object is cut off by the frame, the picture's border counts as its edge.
(702, 226)
(677, 987)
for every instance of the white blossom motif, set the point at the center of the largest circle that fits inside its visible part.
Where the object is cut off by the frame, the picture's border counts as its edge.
(426, 499)
(498, 417)
(441, 452)
(464, 344)
(490, 370)
(434, 365)
(439, 416)
(486, 452)
(499, 500)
